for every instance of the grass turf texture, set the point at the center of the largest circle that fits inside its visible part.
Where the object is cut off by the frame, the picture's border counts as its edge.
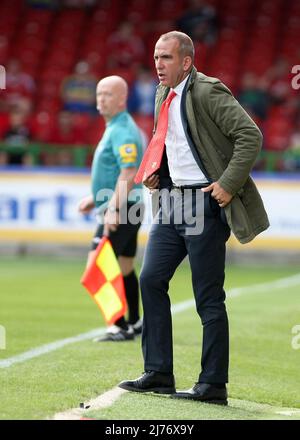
(42, 301)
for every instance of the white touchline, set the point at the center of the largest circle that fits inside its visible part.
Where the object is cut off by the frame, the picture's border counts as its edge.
(103, 401)
(47, 348)
(289, 412)
(281, 283)
(291, 281)
(110, 397)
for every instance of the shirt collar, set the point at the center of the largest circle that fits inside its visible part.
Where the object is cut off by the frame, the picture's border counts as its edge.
(116, 117)
(179, 88)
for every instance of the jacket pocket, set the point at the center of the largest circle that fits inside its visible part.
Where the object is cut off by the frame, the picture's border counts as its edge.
(212, 209)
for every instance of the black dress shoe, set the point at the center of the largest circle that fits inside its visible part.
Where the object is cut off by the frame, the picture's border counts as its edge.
(151, 381)
(204, 392)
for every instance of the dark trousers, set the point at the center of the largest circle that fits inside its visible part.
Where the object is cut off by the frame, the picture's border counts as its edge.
(167, 247)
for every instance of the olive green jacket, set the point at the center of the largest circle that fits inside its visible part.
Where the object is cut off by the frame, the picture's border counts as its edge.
(228, 142)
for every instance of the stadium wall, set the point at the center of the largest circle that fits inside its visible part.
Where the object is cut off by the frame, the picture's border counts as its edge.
(38, 209)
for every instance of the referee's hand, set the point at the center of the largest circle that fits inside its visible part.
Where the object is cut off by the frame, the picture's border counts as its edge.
(111, 222)
(86, 205)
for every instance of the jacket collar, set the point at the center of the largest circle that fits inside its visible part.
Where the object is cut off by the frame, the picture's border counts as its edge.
(192, 77)
(162, 92)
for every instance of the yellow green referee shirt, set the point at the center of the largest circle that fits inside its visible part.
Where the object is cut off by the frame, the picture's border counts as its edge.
(120, 147)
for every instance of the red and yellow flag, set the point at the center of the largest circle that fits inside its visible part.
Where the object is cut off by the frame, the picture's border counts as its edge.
(104, 281)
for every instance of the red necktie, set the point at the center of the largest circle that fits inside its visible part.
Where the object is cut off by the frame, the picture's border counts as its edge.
(153, 154)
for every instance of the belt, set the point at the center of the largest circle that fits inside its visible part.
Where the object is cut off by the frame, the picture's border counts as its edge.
(196, 186)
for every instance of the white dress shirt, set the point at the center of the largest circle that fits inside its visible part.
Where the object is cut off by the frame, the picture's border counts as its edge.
(182, 166)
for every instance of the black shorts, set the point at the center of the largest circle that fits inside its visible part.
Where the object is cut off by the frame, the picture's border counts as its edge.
(123, 240)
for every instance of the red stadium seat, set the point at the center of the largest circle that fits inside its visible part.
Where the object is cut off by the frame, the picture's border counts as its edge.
(48, 42)
(145, 123)
(96, 130)
(42, 124)
(277, 133)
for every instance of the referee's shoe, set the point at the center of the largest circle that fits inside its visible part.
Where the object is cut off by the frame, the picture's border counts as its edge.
(137, 327)
(116, 334)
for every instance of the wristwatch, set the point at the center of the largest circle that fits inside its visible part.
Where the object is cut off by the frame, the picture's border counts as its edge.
(112, 208)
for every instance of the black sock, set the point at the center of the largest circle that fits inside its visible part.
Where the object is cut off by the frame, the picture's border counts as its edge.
(122, 323)
(132, 295)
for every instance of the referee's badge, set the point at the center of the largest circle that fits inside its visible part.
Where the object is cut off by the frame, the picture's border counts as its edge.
(128, 153)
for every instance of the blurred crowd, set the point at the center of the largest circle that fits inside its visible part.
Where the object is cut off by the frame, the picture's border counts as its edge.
(269, 97)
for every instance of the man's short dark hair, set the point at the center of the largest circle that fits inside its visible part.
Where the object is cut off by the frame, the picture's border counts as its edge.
(186, 45)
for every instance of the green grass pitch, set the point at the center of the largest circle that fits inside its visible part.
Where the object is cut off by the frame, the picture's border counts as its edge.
(42, 301)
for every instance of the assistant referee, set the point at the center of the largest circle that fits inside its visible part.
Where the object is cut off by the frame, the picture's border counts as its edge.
(115, 163)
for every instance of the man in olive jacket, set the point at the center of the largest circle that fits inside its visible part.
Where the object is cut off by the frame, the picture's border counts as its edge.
(211, 146)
